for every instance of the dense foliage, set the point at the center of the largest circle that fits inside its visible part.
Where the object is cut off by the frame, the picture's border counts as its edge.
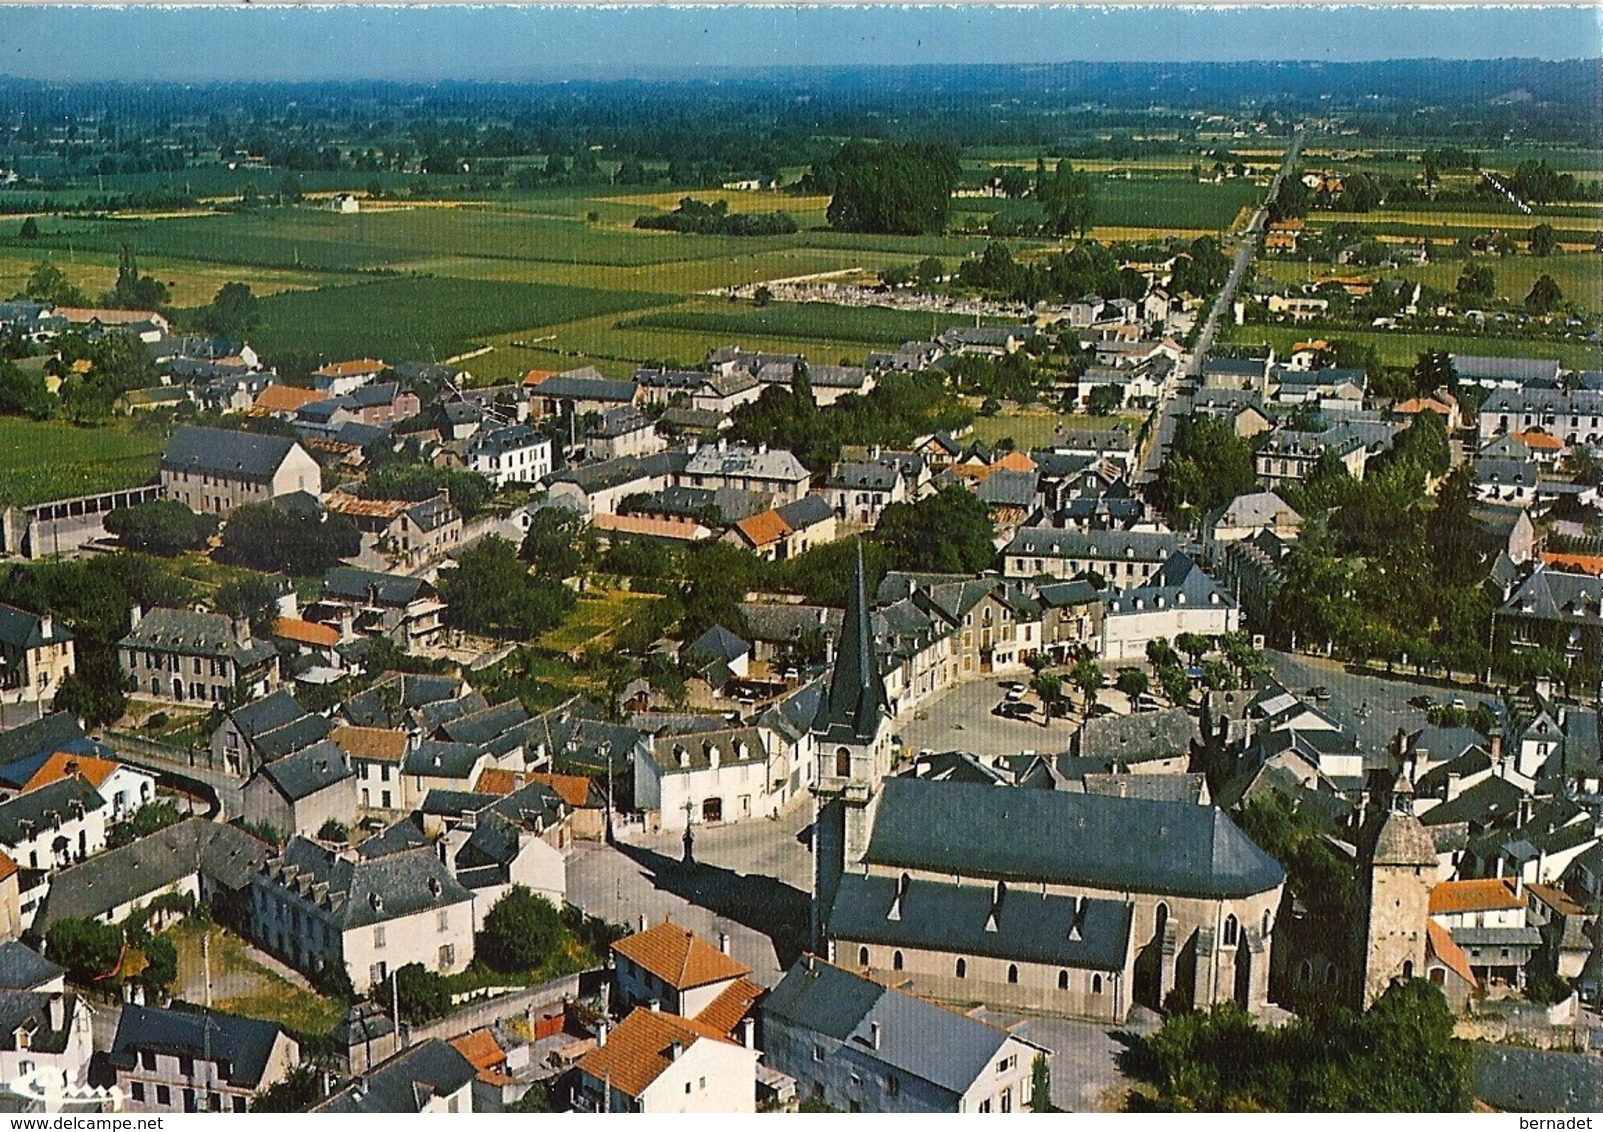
(1206, 466)
(949, 532)
(521, 931)
(276, 539)
(88, 949)
(898, 188)
(491, 592)
(702, 219)
(163, 526)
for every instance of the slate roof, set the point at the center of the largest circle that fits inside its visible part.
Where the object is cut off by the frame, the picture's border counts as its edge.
(864, 476)
(225, 855)
(23, 968)
(352, 584)
(38, 808)
(1121, 844)
(574, 388)
(916, 1038)
(855, 704)
(363, 891)
(226, 453)
(189, 633)
(23, 630)
(1475, 367)
(57, 731)
(1138, 736)
(437, 759)
(696, 750)
(406, 1082)
(720, 643)
(746, 462)
(29, 1011)
(244, 1043)
(368, 709)
(968, 919)
(1052, 542)
(1514, 1079)
(305, 772)
(1492, 799)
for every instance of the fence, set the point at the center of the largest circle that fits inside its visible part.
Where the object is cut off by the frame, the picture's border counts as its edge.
(520, 1004)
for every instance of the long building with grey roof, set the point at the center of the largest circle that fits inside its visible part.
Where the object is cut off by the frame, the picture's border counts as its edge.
(1076, 903)
(214, 470)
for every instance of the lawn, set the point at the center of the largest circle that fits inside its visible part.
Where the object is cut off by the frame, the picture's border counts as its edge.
(425, 318)
(824, 322)
(599, 614)
(42, 460)
(1401, 349)
(1580, 277)
(1039, 430)
(243, 985)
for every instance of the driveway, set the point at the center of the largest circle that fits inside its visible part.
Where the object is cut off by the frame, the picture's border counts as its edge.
(961, 719)
(1085, 1056)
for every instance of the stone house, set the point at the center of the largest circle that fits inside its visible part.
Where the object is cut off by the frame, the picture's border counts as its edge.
(36, 654)
(213, 471)
(300, 791)
(193, 1061)
(180, 656)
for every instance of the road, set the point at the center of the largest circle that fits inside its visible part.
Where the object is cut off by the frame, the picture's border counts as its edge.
(1179, 402)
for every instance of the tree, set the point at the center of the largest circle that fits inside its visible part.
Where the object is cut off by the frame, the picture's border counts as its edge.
(898, 188)
(1069, 199)
(250, 599)
(152, 817)
(1207, 465)
(296, 1091)
(29, 229)
(492, 592)
(273, 539)
(559, 543)
(233, 312)
(161, 964)
(1544, 295)
(47, 283)
(95, 692)
(164, 527)
(1434, 370)
(289, 189)
(133, 290)
(1160, 653)
(1049, 687)
(949, 532)
(23, 393)
(421, 994)
(1176, 684)
(1194, 645)
(1476, 282)
(521, 932)
(1543, 240)
(1133, 682)
(88, 949)
(1087, 677)
(1041, 1086)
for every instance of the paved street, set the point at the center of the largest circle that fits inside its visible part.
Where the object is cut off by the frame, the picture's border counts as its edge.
(1085, 1062)
(753, 881)
(961, 719)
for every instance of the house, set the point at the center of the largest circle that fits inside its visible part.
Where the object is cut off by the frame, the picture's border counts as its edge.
(1552, 609)
(623, 432)
(400, 607)
(493, 1086)
(787, 530)
(314, 905)
(1073, 912)
(776, 474)
(36, 654)
(1126, 558)
(423, 531)
(300, 791)
(1246, 516)
(1294, 454)
(599, 489)
(717, 776)
(1571, 415)
(1148, 742)
(1506, 373)
(196, 1061)
(125, 788)
(1179, 598)
(338, 378)
(578, 392)
(262, 730)
(1330, 389)
(858, 1045)
(521, 838)
(669, 967)
(376, 755)
(24, 969)
(1487, 919)
(54, 826)
(991, 341)
(345, 203)
(430, 1076)
(859, 492)
(213, 470)
(45, 1037)
(147, 326)
(657, 1062)
(513, 454)
(206, 861)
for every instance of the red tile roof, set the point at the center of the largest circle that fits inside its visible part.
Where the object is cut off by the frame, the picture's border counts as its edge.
(1440, 943)
(640, 1048)
(306, 632)
(1489, 894)
(679, 957)
(732, 1004)
(63, 765)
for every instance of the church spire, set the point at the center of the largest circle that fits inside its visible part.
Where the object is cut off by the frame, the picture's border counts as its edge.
(856, 701)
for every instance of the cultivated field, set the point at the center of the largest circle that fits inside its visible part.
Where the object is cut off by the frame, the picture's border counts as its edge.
(55, 460)
(1398, 349)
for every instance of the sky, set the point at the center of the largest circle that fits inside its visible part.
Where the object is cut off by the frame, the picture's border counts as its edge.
(265, 42)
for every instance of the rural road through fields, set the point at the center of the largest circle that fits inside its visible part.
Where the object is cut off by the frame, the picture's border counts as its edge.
(1179, 402)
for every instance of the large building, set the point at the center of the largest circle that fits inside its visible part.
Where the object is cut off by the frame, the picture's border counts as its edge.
(194, 1061)
(36, 655)
(187, 657)
(214, 470)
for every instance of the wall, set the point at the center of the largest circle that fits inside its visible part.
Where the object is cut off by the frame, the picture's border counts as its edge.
(722, 1078)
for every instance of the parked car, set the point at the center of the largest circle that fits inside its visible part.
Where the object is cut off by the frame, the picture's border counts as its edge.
(1319, 692)
(1015, 693)
(1422, 702)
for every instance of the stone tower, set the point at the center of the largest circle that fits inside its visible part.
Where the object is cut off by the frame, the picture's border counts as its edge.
(1400, 868)
(852, 729)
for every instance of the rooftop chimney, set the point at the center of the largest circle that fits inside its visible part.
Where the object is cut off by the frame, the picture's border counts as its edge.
(748, 1033)
(723, 942)
(873, 1035)
(601, 1033)
(676, 1050)
(644, 923)
(58, 1013)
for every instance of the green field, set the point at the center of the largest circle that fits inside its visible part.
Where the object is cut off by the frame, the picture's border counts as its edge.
(1398, 349)
(813, 321)
(599, 614)
(1580, 277)
(1039, 430)
(55, 460)
(425, 318)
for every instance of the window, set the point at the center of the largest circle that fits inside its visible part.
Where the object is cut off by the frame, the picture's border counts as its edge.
(687, 1088)
(1160, 918)
(1012, 972)
(896, 960)
(186, 1066)
(1007, 1100)
(893, 1086)
(985, 1105)
(137, 1091)
(378, 937)
(1063, 980)
(843, 762)
(1305, 973)
(1007, 1063)
(164, 1095)
(1096, 984)
(1330, 974)
(1408, 968)
(818, 1053)
(962, 968)
(447, 956)
(147, 1060)
(862, 956)
(444, 920)
(702, 1084)
(1232, 930)
(239, 1104)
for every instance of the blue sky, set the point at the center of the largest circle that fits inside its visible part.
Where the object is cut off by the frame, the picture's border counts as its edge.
(265, 42)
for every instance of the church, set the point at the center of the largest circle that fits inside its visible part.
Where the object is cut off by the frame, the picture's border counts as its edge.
(1027, 899)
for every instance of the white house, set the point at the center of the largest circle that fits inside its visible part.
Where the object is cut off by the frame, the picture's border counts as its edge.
(1179, 598)
(514, 454)
(656, 1062)
(718, 776)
